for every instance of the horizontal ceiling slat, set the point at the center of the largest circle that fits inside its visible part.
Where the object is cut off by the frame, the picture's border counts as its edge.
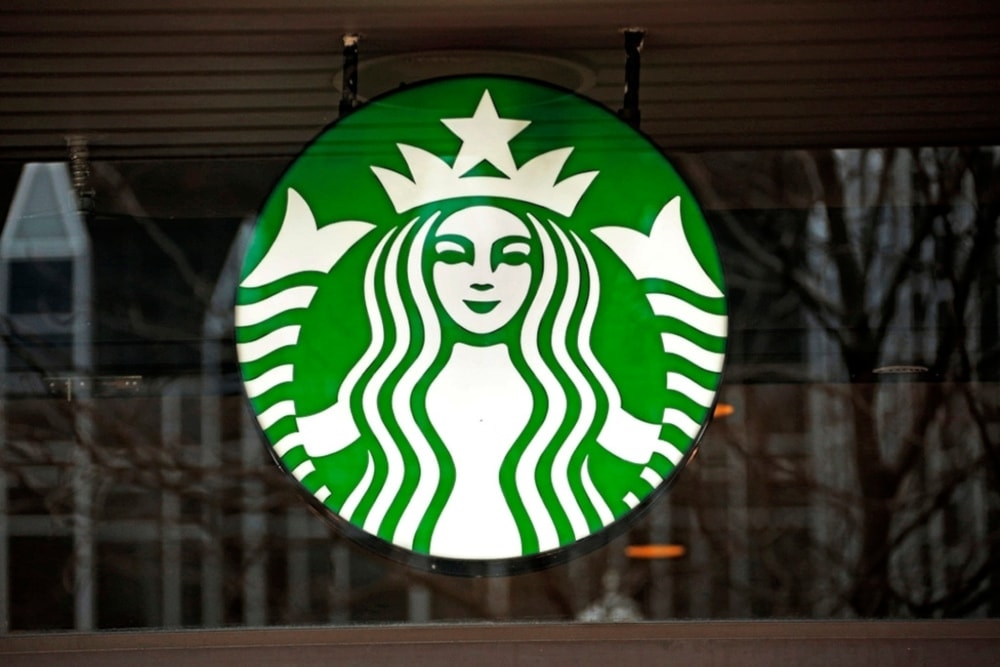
(915, 93)
(936, 69)
(311, 122)
(926, 95)
(54, 72)
(244, 77)
(185, 137)
(793, 124)
(669, 132)
(865, 53)
(140, 112)
(169, 103)
(88, 65)
(180, 84)
(329, 42)
(84, 120)
(590, 12)
(725, 29)
(256, 43)
(668, 135)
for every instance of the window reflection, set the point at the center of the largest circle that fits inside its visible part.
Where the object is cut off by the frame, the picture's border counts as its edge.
(138, 492)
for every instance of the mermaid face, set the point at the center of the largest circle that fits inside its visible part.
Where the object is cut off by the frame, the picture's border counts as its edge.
(481, 271)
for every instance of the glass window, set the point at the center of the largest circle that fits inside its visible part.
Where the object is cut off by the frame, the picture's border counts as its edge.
(40, 286)
(851, 469)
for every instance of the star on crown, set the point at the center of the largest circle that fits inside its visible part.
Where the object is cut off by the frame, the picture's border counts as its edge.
(485, 138)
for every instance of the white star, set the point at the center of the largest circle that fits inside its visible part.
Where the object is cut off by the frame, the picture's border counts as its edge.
(485, 136)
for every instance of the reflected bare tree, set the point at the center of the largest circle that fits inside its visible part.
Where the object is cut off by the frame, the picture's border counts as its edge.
(842, 265)
(894, 264)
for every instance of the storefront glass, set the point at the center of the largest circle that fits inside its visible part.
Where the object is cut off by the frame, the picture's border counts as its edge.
(852, 469)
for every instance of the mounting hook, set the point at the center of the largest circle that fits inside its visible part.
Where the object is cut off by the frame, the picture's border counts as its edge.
(629, 112)
(79, 167)
(349, 94)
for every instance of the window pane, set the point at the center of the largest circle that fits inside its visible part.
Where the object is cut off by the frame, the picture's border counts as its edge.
(41, 286)
(851, 470)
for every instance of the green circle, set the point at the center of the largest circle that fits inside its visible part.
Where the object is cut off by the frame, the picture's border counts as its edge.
(586, 477)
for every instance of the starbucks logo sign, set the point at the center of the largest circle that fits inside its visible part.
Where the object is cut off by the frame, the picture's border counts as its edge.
(481, 320)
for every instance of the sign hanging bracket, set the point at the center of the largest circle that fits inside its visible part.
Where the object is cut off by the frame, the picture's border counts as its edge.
(634, 38)
(349, 90)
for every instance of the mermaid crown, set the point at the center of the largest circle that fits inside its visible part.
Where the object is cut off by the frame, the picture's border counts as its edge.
(485, 137)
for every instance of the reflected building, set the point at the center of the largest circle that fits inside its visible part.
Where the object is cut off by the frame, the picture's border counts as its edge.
(138, 491)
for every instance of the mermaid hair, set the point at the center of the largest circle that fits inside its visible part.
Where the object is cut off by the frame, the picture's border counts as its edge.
(544, 477)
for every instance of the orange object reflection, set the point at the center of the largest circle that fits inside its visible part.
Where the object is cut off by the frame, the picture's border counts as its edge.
(723, 410)
(650, 551)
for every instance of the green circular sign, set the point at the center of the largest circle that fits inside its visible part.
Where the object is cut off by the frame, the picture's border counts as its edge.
(481, 320)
